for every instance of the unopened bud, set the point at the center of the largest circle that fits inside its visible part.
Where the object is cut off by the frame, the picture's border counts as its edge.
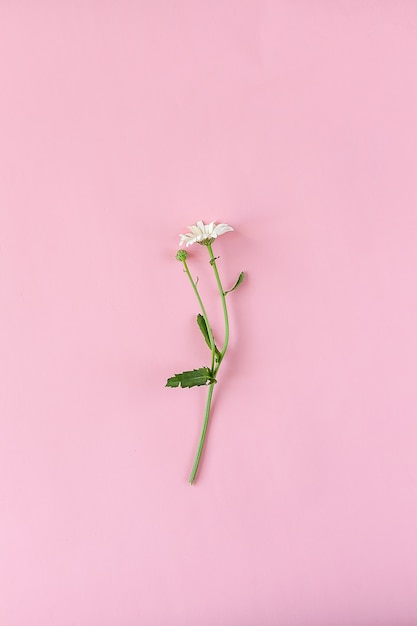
(181, 255)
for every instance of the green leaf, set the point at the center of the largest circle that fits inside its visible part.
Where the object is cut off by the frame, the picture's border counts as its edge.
(203, 327)
(237, 283)
(192, 378)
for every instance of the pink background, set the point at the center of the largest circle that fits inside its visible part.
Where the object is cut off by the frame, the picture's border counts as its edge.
(121, 123)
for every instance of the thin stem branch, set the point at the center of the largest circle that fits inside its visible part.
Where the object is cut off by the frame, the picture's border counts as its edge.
(223, 297)
(203, 310)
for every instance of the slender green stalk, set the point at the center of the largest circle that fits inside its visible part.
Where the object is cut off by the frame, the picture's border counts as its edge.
(203, 435)
(203, 310)
(223, 297)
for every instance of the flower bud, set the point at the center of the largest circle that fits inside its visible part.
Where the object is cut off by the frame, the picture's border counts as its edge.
(181, 255)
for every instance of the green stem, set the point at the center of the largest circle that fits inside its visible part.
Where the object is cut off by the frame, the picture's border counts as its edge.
(203, 310)
(223, 297)
(203, 435)
(213, 369)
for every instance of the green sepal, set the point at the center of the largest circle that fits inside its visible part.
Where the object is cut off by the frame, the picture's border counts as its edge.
(192, 378)
(237, 283)
(204, 330)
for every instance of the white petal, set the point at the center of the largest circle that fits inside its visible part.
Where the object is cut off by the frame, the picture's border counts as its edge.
(201, 226)
(223, 228)
(210, 228)
(195, 230)
(226, 227)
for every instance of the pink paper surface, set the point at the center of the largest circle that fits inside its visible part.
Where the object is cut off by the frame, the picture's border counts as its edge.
(120, 124)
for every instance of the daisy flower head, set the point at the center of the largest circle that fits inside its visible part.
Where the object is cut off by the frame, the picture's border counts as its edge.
(204, 233)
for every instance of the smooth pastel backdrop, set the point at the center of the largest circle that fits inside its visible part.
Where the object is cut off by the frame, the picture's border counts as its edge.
(120, 124)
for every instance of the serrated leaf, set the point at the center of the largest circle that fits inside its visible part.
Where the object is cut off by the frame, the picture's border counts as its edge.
(191, 378)
(237, 283)
(203, 327)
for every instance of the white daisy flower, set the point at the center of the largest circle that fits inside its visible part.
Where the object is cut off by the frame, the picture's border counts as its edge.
(204, 233)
